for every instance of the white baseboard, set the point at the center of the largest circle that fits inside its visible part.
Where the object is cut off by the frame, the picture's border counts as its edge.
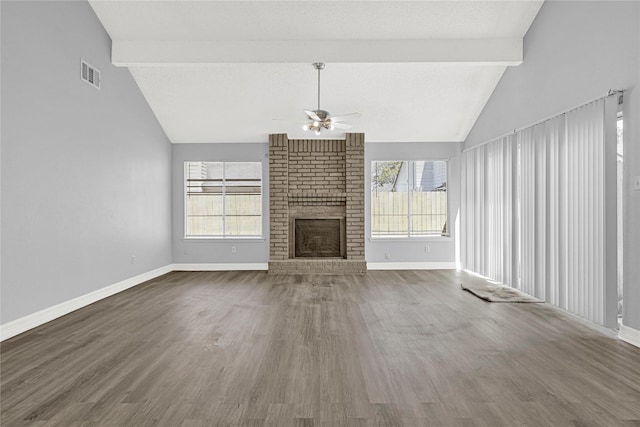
(41, 317)
(411, 265)
(265, 266)
(221, 266)
(23, 324)
(630, 335)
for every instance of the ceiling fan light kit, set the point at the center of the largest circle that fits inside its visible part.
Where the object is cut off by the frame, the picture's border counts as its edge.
(321, 119)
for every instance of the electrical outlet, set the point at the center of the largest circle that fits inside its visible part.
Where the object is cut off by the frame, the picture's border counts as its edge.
(636, 183)
(233, 249)
(427, 248)
(386, 256)
(133, 259)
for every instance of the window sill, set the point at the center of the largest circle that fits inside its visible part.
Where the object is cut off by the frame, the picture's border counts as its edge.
(412, 239)
(223, 239)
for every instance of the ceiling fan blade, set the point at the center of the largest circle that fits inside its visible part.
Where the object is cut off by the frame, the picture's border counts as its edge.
(313, 116)
(346, 117)
(341, 126)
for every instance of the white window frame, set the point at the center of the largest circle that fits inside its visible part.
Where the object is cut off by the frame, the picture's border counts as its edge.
(223, 236)
(408, 236)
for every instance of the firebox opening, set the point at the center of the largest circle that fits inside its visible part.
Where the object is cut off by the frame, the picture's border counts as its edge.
(318, 238)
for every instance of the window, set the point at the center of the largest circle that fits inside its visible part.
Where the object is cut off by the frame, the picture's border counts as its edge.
(409, 198)
(223, 199)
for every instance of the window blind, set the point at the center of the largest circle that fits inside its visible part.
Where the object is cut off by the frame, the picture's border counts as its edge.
(539, 211)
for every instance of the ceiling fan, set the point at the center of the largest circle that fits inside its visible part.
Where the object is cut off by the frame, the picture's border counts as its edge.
(321, 119)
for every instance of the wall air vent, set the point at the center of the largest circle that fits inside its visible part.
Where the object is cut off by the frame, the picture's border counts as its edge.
(89, 74)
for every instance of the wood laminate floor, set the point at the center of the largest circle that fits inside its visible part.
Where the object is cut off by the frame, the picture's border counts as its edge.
(249, 349)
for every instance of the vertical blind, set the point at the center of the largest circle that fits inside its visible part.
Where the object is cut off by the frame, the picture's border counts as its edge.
(539, 211)
(487, 221)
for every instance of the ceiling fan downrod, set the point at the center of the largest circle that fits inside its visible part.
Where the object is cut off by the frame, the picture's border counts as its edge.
(319, 66)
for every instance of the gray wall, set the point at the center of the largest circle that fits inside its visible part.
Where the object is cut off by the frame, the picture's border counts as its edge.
(257, 251)
(441, 249)
(575, 52)
(85, 172)
(212, 250)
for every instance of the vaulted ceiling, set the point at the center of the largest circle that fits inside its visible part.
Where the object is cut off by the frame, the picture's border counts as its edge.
(222, 71)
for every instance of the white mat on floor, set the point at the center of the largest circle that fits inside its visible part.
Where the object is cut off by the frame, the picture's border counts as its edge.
(498, 293)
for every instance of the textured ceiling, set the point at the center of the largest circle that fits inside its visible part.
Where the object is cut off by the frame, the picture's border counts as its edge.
(406, 100)
(238, 102)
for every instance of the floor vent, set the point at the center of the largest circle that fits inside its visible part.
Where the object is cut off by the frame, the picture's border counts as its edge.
(89, 74)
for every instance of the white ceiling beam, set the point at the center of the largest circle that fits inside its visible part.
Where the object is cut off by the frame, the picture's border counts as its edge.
(505, 52)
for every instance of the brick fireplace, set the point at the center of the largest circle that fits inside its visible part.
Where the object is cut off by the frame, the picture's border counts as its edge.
(316, 205)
